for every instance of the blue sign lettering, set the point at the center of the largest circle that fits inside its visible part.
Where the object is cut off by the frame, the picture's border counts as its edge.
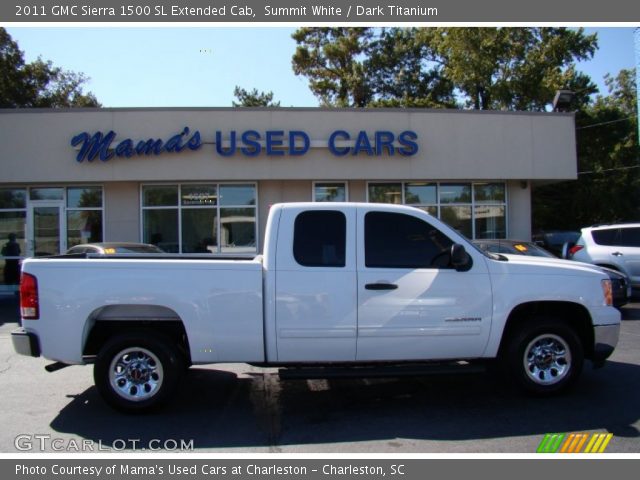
(338, 151)
(100, 146)
(249, 143)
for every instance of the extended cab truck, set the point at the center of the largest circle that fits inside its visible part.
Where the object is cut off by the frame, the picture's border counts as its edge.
(339, 284)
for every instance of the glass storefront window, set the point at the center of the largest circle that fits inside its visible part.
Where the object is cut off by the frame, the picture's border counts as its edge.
(160, 196)
(420, 194)
(455, 193)
(459, 218)
(329, 192)
(84, 197)
(431, 210)
(84, 215)
(13, 217)
(238, 230)
(199, 230)
(13, 198)
(203, 195)
(489, 192)
(46, 193)
(385, 193)
(161, 228)
(84, 226)
(237, 195)
(200, 218)
(490, 221)
(477, 210)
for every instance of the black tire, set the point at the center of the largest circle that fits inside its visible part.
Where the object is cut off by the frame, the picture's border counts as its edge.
(138, 371)
(545, 356)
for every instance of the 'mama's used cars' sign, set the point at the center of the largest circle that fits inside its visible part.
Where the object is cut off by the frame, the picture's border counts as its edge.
(249, 143)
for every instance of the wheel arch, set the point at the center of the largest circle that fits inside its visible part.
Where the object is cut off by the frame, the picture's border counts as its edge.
(105, 322)
(571, 314)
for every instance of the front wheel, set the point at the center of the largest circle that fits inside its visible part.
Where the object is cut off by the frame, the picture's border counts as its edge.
(137, 372)
(545, 356)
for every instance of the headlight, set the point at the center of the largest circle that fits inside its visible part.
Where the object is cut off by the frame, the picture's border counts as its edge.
(607, 291)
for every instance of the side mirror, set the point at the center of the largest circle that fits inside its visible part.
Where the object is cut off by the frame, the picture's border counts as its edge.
(460, 259)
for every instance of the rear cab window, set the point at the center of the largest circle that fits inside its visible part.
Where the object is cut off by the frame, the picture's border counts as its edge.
(320, 238)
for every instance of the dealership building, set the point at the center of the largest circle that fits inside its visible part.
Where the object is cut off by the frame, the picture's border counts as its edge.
(202, 180)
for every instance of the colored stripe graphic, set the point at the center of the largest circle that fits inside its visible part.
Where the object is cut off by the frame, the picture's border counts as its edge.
(574, 442)
(551, 442)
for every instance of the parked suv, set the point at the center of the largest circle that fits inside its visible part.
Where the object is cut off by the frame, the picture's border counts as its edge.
(613, 246)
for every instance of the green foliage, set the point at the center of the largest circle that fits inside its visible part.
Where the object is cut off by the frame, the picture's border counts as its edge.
(608, 185)
(254, 98)
(512, 68)
(480, 68)
(38, 84)
(334, 61)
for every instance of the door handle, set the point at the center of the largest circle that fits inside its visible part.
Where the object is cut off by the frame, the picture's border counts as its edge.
(617, 254)
(380, 286)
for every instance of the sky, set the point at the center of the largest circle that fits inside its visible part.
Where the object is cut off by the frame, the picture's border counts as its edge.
(200, 66)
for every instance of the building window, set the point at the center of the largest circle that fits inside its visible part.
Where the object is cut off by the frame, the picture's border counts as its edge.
(489, 210)
(84, 215)
(200, 218)
(385, 193)
(476, 210)
(13, 217)
(329, 192)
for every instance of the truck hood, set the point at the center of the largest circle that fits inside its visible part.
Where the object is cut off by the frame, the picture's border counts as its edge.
(523, 264)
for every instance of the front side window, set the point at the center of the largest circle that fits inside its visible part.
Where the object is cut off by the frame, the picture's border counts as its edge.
(320, 238)
(394, 240)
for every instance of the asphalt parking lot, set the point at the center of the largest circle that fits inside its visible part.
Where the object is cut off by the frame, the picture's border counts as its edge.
(242, 409)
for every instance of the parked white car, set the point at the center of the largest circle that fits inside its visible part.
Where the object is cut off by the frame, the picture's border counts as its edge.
(611, 246)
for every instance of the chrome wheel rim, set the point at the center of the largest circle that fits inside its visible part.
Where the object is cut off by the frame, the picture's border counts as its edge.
(136, 374)
(547, 359)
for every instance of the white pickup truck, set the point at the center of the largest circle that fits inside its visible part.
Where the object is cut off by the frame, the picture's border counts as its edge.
(342, 287)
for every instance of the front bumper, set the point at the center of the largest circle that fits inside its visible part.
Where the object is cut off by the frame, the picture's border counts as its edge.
(605, 341)
(25, 343)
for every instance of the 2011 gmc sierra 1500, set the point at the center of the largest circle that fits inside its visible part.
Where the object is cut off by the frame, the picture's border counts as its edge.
(340, 286)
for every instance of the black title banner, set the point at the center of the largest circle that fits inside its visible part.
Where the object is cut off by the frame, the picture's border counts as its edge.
(319, 11)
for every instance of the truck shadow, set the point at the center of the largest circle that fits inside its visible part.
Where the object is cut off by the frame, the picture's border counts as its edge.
(217, 409)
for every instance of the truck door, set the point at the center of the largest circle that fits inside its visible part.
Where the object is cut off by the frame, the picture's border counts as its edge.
(316, 285)
(411, 304)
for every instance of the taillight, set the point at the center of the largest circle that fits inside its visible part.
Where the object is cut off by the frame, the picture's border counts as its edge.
(575, 249)
(29, 308)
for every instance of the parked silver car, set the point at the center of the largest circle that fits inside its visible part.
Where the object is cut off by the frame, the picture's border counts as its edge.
(612, 246)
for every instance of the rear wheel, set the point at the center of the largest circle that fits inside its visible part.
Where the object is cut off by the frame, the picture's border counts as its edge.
(545, 356)
(137, 372)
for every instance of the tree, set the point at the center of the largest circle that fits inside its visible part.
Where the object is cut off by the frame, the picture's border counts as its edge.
(484, 68)
(254, 98)
(608, 185)
(404, 72)
(512, 68)
(333, 60)
(38, 84)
